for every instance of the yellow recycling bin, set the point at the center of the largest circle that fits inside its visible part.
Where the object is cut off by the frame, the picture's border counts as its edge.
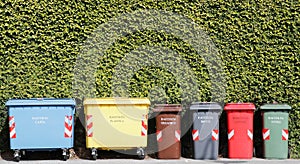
(116, 124)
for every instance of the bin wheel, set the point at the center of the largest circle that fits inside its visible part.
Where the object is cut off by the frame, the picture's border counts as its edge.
(254, 153)
(289, 153)
(65, 154)
(141, 153)
(24, 154)
(65, 157)
(94, 157)
(94, 154)
(17, 155)
(17, 159)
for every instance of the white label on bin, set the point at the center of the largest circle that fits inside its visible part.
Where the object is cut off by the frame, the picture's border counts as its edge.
(117, 119)
(205, 119)
(240, 119)
(230, 134)
(285, 134)
(275, 119)
(39, 119)
(250, 134)
(168, 121)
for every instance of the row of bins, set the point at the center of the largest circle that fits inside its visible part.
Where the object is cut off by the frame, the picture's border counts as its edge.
(122, 124)
(274, 130)
(240, 130)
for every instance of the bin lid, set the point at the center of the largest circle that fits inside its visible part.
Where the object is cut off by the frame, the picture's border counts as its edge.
(124, 101)
(275, 107)
(239, 106)
(167, 108)
(41, 102)
(205, 106)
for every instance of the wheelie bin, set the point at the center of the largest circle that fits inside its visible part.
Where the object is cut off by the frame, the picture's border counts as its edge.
(240, 129)
(116, 124)
(275, 130)
(41, 124)
(205, 131)
(168, 132)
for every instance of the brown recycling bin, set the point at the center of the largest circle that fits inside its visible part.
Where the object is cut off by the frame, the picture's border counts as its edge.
(168, 130)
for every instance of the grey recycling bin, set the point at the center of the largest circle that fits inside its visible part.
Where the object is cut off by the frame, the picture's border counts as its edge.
(205, 132)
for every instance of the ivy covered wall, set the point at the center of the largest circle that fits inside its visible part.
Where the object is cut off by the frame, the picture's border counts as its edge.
(257, 41)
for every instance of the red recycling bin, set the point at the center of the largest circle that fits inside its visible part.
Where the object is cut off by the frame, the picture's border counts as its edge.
(240, 129)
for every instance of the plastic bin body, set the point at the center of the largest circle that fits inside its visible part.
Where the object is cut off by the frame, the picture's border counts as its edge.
(116, 123)
(275, 130)
(205, 131)
(168, 132)
(240, 129)
(41, 123)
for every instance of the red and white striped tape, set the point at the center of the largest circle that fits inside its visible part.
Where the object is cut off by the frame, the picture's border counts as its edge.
(195, 134)
(285, 134)
(12, 127)
(89, 125)
(250, 134)
(159, 135)
(68, 126)
(144, 128)
(177, 135)
(266, 134)
(215, 134)
(230, 134)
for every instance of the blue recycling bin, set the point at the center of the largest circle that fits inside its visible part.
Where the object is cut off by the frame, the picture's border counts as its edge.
(41, 124)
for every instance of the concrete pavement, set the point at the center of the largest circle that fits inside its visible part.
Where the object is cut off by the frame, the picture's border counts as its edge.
(154, 161)
(47, 157)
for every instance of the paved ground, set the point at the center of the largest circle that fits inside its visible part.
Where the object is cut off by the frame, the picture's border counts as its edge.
(117, 158)
(154, 161)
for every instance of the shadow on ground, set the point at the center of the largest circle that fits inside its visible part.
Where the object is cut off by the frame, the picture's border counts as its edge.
(34, 155)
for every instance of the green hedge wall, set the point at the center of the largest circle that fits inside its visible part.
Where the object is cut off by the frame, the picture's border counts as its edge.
(258, 42)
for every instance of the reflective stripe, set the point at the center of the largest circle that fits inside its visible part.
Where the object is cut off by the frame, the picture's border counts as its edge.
(89, 125)
(266, 134)
(177, 135)
(68, 126)
(159, 136)
(12, 127)
(285, 134)
(144, 129)
(195, 134)
(250, 134)
(215, 135)
(230, 134)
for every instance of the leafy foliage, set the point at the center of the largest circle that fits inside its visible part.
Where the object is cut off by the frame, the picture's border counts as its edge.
(258, 42)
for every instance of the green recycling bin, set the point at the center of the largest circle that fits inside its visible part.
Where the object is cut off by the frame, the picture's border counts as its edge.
(275, 130)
